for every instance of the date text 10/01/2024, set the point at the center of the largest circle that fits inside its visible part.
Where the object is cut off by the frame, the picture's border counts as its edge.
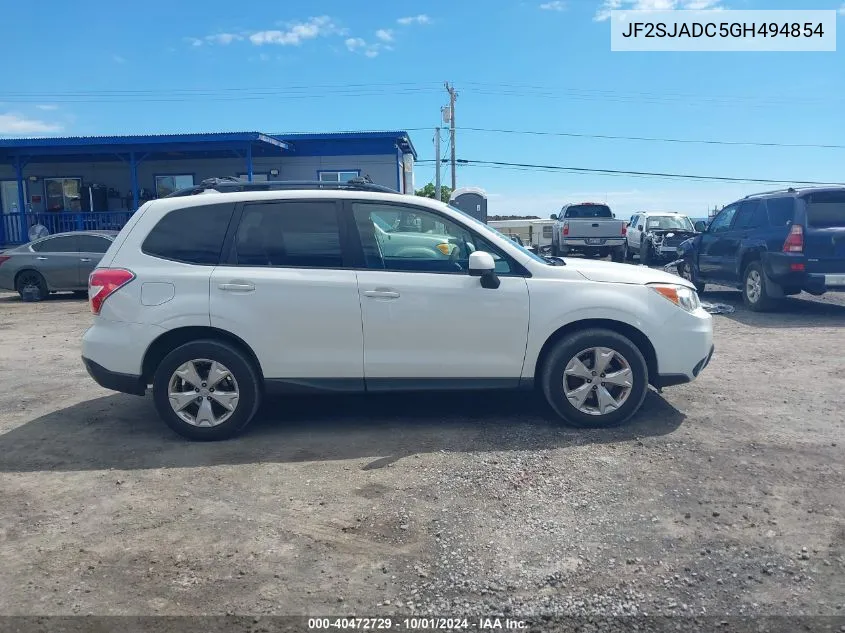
(417, 624)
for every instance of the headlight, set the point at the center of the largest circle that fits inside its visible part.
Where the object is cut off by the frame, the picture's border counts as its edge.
(444, 248)
(681, 296)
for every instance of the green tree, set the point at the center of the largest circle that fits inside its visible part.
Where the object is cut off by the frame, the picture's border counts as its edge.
(428, 192)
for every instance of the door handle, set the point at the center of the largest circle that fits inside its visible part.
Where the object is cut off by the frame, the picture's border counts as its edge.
(381, 293)
(84, 259)
(240, 286)
(41, 258)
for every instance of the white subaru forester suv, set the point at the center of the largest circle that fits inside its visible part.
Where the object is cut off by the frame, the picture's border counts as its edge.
(218, 295)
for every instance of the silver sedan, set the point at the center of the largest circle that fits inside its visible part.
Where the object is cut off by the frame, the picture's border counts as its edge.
(60, 262)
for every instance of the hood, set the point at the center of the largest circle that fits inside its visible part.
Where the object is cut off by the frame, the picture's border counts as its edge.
(672, 232)
(610, 272)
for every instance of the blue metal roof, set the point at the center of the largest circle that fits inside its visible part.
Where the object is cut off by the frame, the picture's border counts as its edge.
(142, 139)
(366, 142)
(400, 137)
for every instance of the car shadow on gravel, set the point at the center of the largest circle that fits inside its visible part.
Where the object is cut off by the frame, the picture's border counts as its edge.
(799, 311)
(59, 297)
(124, 432)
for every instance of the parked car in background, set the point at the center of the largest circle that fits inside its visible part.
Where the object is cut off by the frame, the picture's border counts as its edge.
(213, 314)
(590, 229)
(655, 236)
(60, 262)
(535, 234)
(771, 245)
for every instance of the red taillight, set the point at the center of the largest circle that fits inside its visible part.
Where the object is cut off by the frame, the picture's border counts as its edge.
(102, 283)
(795, 240)
(624, 229)
(566, 228)
(3, 258)
(798, 268)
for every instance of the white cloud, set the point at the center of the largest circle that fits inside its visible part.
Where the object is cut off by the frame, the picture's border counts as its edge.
(194, 41)
(554, 5)
(371, 52)
(297, 32)
(14, 124)
(603, 12)
(422, 18)
(47, 106)
(385, 35)
(223, 38)
(117, 59)
(355, 43)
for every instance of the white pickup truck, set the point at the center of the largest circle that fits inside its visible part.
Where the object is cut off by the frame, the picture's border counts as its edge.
(590, 229)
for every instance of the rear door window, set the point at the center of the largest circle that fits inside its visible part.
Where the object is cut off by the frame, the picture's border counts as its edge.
(297, 234)
(193, 235)
(93, 244)
(826, 209)
(781, 210)
(61, 244)
(751, 215)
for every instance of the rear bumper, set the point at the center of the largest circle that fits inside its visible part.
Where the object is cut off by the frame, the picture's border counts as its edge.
(125, 383)
(779, 269)
(606, 242)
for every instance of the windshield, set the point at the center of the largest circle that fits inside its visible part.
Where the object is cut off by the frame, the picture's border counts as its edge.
(680, 222)
(476, 221)
(588, 211)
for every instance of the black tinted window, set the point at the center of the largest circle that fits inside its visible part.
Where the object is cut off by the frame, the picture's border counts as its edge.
(588, 211)
(751, 215)
(93, 244)
(193, 235)
(826, 209)
(64, 244)
(781, 211)
(296, 234)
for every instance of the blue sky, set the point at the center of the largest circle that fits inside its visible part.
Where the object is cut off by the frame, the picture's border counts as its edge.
(100, 67)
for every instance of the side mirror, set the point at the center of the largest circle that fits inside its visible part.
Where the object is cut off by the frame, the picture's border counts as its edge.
(700, 226)
(482, 265)
(640, 227)
(553, 216)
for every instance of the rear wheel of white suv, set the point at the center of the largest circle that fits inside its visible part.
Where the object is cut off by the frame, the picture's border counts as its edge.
(206, 390)
(595, 378)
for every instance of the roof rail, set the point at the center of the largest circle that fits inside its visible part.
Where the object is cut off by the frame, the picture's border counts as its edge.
(768, 193)
(228, 184)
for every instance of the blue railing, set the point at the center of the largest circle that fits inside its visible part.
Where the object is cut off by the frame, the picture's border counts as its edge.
(16, 226)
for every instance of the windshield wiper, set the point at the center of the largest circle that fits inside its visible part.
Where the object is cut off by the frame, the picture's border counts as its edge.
(554, 261)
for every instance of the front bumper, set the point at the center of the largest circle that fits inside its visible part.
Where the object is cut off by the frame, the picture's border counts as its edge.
(125, 383)
(670, 380)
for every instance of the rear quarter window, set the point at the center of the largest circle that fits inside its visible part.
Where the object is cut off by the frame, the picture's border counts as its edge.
(781, 210)
(193, 235)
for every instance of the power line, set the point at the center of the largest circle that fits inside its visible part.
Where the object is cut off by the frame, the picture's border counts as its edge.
(652, 139)
(622, 172)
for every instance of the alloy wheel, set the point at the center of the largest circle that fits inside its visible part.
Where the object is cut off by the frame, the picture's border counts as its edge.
(597, 380)
(203, 392)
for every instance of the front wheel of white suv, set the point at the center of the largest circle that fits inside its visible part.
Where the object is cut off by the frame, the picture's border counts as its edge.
(595, 378)
(206, 390)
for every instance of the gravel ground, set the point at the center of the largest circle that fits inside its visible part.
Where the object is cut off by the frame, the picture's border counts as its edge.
(723, 498)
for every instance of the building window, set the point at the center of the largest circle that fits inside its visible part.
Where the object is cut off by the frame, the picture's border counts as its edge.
(338, 176)
(165, 185)
(547, 231)
(255, 177)
(63, 194)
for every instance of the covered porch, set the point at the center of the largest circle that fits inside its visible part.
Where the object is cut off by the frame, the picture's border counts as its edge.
(79, 183)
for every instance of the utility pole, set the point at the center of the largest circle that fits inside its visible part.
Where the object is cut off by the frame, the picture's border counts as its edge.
(437, 164)
(452, 96)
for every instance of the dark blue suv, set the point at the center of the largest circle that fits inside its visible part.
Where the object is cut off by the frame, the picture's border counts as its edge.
(771, 245)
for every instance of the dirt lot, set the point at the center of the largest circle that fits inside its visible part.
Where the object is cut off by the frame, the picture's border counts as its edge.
(726, 496)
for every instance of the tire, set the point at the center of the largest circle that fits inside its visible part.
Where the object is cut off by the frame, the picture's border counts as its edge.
(32, 279)
(627, 254)
(755, 294)
(646, 256)
(617, 255)
(685, 270)
(576, 345)
(246, 383)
